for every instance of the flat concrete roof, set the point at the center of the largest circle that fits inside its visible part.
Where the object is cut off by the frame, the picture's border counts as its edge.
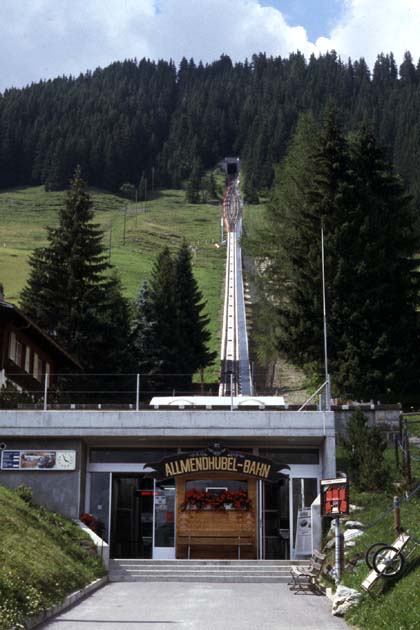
(313, 425)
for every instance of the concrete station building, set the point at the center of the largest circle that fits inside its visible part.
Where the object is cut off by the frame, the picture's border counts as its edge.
(111, 464)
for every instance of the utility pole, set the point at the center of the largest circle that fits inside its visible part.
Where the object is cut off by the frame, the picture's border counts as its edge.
(110, 241)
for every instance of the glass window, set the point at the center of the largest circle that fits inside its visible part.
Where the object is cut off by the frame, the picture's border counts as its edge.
(276, 520)
(27, 359)
(291, 455)
(99, 500)
(12, 343)
(165, 513)
(128, 456)
(35, 370)
(209, 485)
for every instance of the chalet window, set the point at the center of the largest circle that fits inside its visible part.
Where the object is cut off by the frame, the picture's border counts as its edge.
(19, 353)
(15, 350)
(27, 359)
(40, 369)
(36, 367)
(12, 345)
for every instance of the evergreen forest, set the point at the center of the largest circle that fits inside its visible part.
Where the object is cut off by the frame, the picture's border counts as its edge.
(145, 121)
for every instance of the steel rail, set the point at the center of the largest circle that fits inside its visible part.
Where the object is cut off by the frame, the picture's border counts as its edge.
(234, 335)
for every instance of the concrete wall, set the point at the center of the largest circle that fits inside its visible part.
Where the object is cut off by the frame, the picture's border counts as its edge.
(385, 418)
(60, 491)
(185, 423)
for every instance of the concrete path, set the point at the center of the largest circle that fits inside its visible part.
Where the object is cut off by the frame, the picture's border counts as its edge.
(186, 606)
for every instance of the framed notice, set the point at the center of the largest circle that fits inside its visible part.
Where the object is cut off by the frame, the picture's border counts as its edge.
(334, 497)
(38, 460)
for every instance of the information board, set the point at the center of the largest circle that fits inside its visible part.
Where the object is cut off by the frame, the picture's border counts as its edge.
(334, 497)
(38, 460)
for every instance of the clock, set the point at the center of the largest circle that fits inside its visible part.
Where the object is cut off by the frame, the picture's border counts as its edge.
(66, 460)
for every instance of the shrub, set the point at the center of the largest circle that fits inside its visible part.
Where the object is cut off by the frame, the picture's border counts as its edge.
(366, 447)
(25, 493)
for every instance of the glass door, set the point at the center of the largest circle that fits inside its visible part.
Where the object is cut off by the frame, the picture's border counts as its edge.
(132, 516)
(276, 543)
(164, 522)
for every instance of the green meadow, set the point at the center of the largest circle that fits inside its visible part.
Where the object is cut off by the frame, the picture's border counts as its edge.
(133, 240)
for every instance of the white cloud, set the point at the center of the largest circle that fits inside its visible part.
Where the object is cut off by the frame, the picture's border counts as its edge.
(48, 38)
(369, 27)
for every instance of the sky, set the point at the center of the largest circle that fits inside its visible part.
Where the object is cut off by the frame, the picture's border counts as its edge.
(42, 39)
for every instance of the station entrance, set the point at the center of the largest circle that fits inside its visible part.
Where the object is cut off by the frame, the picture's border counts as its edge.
(175, 517)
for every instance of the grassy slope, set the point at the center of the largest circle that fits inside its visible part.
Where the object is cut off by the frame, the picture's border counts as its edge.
(25, 212)
(398, 607)
(42, 560)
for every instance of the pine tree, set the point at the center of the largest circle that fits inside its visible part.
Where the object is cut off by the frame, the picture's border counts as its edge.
(372, 284)
(70, 292)
(377, 283)
(193, 334)
(365, 447)
(163, 312)
(144, 342)
(192, 188)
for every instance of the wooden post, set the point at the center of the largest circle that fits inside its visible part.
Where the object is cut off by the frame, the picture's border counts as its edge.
(407, 453)
(338, 550)
(397, 516)
(397, 454)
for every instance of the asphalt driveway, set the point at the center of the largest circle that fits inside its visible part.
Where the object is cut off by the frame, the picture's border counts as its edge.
(197, 606)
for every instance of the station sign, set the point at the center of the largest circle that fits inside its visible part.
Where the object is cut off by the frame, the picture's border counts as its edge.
(334, 497)
(218, 460)
(38, 460)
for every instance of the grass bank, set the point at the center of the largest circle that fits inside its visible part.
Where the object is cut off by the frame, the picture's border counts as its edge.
(133, 240)
(44, 558)
(398, 605)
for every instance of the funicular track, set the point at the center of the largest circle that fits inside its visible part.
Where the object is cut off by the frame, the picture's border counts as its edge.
(235, 372)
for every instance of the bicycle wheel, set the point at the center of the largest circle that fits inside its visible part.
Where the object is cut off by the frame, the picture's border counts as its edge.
(388, 562)
(371, 552)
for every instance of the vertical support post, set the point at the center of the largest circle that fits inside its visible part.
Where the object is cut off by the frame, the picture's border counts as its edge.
(397, 515)
(46, 392)
(338, 551)
(397, 455)
(138, 392)
(231, 391)
(407, 452)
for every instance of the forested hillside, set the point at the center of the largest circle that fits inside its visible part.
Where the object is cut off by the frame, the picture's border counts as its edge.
(153, 119)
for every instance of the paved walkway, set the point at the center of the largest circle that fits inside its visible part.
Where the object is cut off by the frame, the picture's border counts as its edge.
(192, 606)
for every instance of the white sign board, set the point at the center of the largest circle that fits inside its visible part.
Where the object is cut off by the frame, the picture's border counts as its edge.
(38, 460)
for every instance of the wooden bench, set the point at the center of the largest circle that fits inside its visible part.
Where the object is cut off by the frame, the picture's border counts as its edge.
(215, 539)
(308, 576)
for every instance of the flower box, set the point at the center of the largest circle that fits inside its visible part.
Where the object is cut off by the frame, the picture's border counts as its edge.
(224, 501)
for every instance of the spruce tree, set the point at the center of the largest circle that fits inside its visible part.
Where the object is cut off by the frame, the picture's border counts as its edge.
(192, 323)
(70, 291)
(372, 285)
(192, 187)
(163, 312)
(144, 342)
(377, 283)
